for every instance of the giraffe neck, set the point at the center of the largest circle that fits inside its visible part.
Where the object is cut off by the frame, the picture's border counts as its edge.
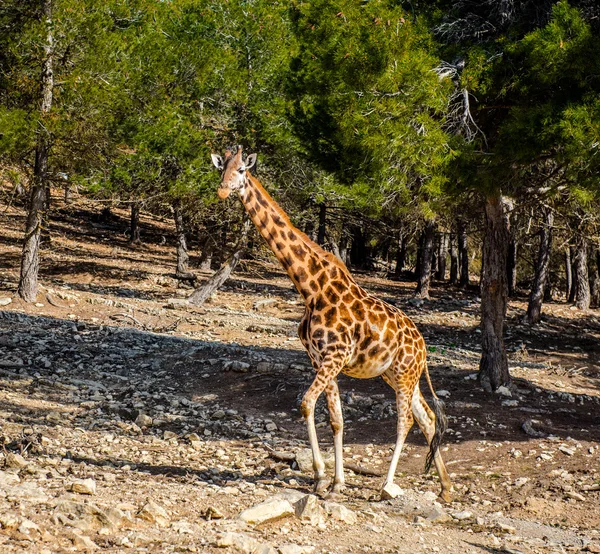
(307, 264)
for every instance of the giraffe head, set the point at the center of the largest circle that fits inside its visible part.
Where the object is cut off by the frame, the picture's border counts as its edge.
(233, 171)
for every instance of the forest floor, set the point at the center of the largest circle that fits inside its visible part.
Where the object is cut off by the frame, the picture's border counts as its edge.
(131, 422)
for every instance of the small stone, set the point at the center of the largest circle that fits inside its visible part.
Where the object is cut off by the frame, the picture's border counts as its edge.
(264, 367)
(174, 303)
(391, 490)
(269, 510)
(244, 543)
(521, 481)
(154, 513)
(295, 549)
(569, 451)
(9, 521)
(169, 435)
(212, 513)
(461, 516)
(15, 461)
(81, 542)
(443, 393)
(340, 512)
(143, 420)
(438, 514)
(5, 301)
(506, 528)
(504, 391)
(510, 403)
(575, 496)
(26, 526)
(308, 509)
(83, 486)
(8, 479)
(271, 426)
(304, 459)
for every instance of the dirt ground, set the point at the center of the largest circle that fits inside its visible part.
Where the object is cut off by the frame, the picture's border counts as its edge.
(132, 422)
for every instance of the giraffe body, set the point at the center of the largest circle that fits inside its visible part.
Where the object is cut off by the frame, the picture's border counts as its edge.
(344, 329)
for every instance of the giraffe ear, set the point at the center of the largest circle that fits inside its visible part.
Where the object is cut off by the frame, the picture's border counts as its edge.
(217, 161)
(250, 161)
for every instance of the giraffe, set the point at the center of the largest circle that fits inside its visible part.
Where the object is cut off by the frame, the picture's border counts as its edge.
(344, 329)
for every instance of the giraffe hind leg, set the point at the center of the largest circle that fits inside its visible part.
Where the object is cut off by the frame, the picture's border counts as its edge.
(337, 426)
(405, 422)
(428, 423)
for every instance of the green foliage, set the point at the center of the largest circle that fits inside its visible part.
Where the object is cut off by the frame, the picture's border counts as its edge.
(367, 104)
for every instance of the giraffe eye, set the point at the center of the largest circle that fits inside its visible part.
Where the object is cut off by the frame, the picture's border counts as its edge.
(241, 170)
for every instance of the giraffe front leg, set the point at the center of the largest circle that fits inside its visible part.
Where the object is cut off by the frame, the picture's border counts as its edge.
(327, 370)
(337, 426)
(307, 409)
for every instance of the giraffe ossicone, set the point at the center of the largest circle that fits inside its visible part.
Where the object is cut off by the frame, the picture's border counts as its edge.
(344, 330)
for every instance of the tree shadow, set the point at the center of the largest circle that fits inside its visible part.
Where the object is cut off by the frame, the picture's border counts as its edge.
(118, 359)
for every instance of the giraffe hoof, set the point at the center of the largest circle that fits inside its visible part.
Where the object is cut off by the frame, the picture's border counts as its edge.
(338, 488)
(445, 497)
(321, 485)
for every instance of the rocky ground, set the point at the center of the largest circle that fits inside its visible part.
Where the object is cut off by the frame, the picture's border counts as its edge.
(132, 422)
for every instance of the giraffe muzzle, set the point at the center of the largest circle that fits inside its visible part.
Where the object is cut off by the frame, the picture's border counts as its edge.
(223, 193)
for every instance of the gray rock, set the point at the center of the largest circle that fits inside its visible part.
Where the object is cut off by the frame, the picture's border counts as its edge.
(568, 450)
(15, 461)
(8, 479)
(504, 391)
(26, 492)
(244, 543)
(83, 486)
(437, 514)
(143, 420)
(304, 459)
(340, 512)
(81, 542)
(154, 513)
(391, 490)
(295, 549)
(309, 509)
(269, 510)
(27, 526)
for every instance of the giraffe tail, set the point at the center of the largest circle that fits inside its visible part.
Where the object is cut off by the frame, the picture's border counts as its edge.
(441, 424)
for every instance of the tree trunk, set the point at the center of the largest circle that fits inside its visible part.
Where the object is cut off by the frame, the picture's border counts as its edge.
(442, 255)
(424, 276)
(540, 280)
(511, 266)
(573, 291)
(322, 224)
(596, 282)
(582, 296)
(183, 258)
(463, 254)
(493, 367)
(203, 292)
(453, 260)
(334, 246)
(68, 194)
(344, 249)
(358, 250)
(30, 258)
(568, 275)
(134, 224)
(400, 255)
